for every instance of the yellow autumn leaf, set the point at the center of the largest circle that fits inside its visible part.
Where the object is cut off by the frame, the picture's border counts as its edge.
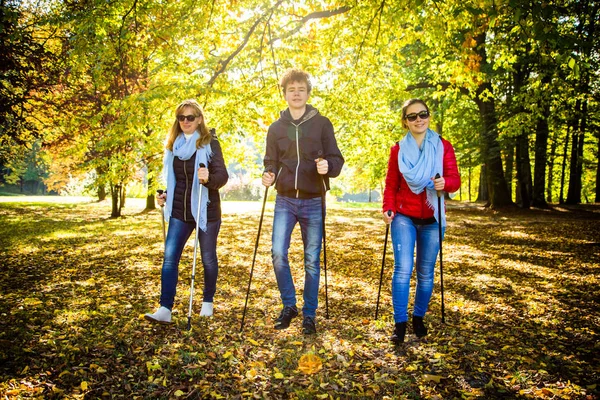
(278, 375)
(84, 385)
(322, 396)
(297, 343)
(310, 364)
(251, 374)
(254, 342)
(433, 378)
(227, 355)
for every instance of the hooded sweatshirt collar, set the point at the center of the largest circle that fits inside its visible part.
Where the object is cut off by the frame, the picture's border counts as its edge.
(310, 112)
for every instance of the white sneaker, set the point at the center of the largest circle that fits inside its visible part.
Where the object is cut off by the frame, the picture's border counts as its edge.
(162, 316)
(207, 309)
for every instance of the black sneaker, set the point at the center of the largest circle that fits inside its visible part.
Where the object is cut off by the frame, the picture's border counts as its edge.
(399, 333)
(419, 327)
(286, 316)
(308, 326)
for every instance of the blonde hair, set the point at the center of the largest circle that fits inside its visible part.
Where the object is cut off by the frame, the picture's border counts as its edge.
(205, 136)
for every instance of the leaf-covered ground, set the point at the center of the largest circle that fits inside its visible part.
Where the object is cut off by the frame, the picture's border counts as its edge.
(521, 302)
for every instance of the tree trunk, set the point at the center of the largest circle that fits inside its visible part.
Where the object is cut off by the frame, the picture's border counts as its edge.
(574, 192)
(597, 196)
(498, 190)
(115, 193)
(541, 158)
(523, 172)
(150, 203)
(551, 161)
(101, 193)
(561, 197)
(510, 162)
(469, 181)
(483, 194)
(122, 196)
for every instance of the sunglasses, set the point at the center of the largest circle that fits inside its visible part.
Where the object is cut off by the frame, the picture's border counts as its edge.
(413, 117)
(190, 118)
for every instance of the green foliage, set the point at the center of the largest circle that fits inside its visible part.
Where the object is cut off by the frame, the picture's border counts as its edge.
(127, 64)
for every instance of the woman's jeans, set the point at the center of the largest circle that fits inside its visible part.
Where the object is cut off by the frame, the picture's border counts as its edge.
(179, 233)
(307, 212)
(405, 233)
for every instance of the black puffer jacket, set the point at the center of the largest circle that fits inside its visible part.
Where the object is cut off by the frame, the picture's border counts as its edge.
(184, 173)
(293, 146)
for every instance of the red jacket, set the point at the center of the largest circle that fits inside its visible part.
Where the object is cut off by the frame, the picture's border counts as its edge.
(398, 197)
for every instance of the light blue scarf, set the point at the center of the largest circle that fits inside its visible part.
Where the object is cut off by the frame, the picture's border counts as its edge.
(418, 166)
(184, 150)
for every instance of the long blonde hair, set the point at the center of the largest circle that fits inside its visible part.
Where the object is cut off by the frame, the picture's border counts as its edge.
(205, 136)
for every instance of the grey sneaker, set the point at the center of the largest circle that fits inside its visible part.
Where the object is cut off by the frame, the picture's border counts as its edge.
(308, 326)
(285, 317)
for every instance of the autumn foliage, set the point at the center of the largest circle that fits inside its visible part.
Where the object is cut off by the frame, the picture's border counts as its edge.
(521, 294)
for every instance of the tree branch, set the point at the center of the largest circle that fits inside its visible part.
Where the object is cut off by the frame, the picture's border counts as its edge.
(308, 17)
(431, 85)
(378, 12)
(224, 63)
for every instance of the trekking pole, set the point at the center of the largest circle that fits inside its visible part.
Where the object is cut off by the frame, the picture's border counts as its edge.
(162, 213)
(439, 194)
(262, 213)
(196, 244)
(387, 231)
(323, 194)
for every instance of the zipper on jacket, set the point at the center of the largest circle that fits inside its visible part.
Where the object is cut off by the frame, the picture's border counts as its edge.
(185, 193)
(298, 163)
(309, 116)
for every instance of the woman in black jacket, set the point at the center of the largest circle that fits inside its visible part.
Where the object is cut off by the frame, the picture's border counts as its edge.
(194, 170)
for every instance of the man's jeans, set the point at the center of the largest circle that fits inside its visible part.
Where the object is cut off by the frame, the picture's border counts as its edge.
(179, 233)
(307, 212)
(404, 235)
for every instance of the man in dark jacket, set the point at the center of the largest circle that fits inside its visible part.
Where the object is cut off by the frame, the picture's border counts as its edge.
(301, 155)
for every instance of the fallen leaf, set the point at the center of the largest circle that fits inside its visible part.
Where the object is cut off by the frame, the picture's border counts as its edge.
(310, 364)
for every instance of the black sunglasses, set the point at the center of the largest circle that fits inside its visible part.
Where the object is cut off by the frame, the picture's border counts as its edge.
(413, 117)
(190, 118)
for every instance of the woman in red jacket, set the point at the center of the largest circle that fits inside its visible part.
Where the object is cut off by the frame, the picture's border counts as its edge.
(410, 205)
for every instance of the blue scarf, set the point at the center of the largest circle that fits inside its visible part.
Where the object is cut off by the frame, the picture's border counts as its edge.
(418, 166)
(184, 150)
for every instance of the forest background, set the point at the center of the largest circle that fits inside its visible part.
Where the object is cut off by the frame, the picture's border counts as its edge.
(87, 94)
(88, 89)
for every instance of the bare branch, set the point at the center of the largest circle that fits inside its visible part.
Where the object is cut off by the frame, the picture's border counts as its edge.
(377, 13)
(223, 63)
(308, 17)
(314, 15)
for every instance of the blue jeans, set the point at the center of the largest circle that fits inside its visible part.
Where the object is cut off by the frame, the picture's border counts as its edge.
(179, 233)
(405, 233)
(307, 212)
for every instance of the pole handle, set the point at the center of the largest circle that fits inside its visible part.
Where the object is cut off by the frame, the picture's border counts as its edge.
(439, 192)
(202, 166)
